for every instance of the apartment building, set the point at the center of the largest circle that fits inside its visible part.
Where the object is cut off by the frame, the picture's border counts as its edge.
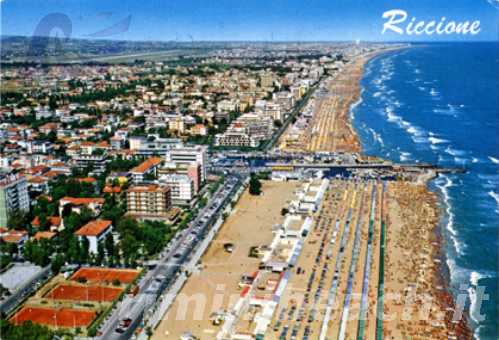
(266, 80)
(182, 188)
(193, 171)
(95, 162)
(13, 196)
(248, 130)
(189, 155)
(236, 137)
(153, 145)
(149, 201)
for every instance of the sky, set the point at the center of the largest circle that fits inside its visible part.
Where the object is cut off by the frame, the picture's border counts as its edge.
(238, 20)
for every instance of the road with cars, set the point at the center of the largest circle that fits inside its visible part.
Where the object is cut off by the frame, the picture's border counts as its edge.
(169, 265)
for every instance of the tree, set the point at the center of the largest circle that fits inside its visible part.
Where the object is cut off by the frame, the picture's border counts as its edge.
(86, 215)
(84, 250)
(44, 222)
(7, 251)
(130, 248)
(53, 103)
(73, 222)
(27, 330)
(52, 136)
(17, 219)
(109, 245)
(255, 186)
(116, 259)
(57, 263)
(73, 249)
(38, 252)
(100, 253)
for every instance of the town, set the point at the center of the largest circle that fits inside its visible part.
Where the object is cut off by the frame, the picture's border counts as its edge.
(119, 178)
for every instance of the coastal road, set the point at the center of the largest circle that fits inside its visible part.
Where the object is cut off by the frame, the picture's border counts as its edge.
(170, 262)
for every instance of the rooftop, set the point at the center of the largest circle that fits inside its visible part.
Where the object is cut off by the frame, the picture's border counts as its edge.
(94, 228)
(148, 188)
(146, 165)
(82, 201)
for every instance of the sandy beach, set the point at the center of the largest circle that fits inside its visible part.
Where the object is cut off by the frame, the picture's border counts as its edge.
(413, 270)
(215, 286)
(330, 129)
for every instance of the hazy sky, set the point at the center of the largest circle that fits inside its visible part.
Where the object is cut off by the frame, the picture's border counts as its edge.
(268, 20)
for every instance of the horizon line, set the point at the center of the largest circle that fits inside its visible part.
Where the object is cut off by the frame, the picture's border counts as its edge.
(256, 41)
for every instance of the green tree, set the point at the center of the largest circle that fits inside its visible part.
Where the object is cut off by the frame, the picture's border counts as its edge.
(86, 215)
(109, 245)
(17, 220)
(130, 249)
(57, 263)
(73, 249)
(255, 186)
(100, 254)
(73, 222)
(44, 222)
(84, 250)
(53, 103)
(38, 252)
(26, 330)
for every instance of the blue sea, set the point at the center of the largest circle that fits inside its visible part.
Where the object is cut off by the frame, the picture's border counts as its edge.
(438, 103)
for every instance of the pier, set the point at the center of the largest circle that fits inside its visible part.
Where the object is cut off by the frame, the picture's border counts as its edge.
(375, 166)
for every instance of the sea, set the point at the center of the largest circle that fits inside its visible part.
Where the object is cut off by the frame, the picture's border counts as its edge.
(438, 103)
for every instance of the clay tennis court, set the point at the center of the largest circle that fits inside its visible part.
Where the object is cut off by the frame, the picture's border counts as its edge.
(108, 275)
(84, 293)
(63, 317)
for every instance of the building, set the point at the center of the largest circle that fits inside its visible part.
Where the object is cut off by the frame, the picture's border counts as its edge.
(193, 171)
(227, 105)
(148, 167)
(284, 99)
(266, 80)
(257, 126)
(273, 110)
(189, 155)
(94, 204)
(182, 188)
(177, 124)
(95, 231)
(149, 201)
(13, 196)
(37, 147)
(153, 145)
(235, 138)
(248, 130)
(97, 163)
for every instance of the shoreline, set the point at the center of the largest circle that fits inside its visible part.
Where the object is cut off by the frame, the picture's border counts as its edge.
(441, 276)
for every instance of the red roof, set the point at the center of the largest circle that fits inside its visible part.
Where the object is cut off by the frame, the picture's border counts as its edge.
(37, 179)
(52, 173)
(146, 165)
(35, 169)
(44, 234)
(53, 221)
(112, 190)
(14, 236)
(86, 180)
(81, 201)
(94, 228)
